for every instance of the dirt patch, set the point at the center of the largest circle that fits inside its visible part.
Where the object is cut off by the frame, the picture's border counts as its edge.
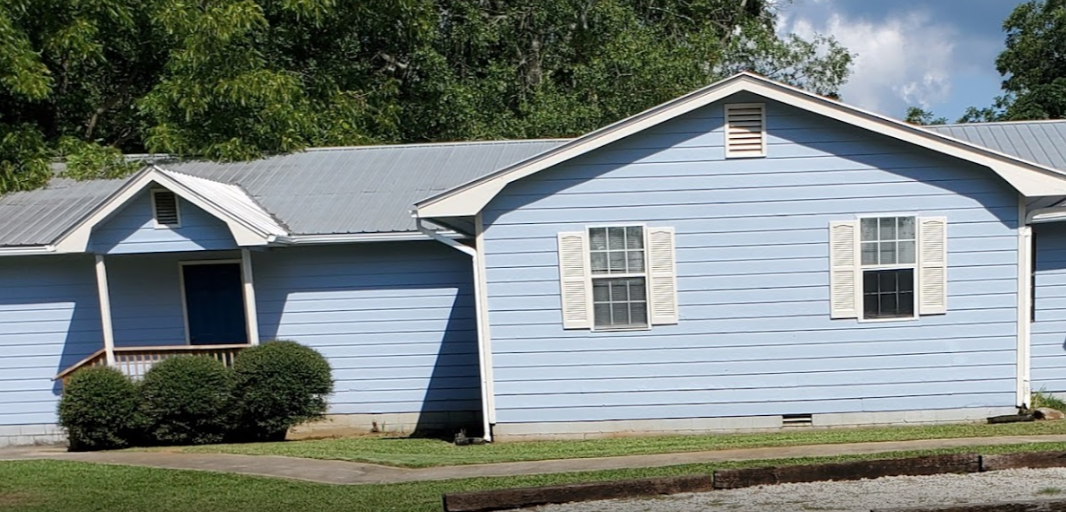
(13, 499)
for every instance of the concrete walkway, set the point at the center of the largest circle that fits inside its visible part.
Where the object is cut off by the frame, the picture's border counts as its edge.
(340, 472)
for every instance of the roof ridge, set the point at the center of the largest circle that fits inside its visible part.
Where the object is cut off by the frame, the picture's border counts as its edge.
(434, 144)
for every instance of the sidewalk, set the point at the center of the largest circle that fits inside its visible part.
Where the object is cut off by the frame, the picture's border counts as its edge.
(344, 473)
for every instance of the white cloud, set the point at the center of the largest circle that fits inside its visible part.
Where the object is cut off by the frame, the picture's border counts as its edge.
(902, 60)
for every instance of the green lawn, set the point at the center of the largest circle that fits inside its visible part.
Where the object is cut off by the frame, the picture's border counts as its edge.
(416, 453)
(52, 486)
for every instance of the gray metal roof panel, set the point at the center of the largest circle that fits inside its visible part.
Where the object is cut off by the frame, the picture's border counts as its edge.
(1040, 142)
(367, 189)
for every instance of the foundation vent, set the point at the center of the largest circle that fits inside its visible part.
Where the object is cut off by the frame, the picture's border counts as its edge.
(796, 420)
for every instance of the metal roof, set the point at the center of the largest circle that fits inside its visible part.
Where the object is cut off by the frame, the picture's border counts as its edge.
(366, 189)
(1041, 142)
(235, 199)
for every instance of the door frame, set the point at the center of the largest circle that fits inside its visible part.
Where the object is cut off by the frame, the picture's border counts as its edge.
(184, 299)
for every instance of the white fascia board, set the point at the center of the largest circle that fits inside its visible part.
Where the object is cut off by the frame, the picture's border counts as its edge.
(1030, 179)
(397, 236)
(77, 238)
(28, 250)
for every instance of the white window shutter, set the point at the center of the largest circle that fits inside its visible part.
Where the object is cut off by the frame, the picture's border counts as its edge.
(933, 266)
(844, 272)
(573, 280)
(662, 276)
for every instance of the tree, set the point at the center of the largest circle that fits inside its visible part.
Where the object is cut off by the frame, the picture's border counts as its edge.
(922, 117)
(1033, 65)
(89, 80)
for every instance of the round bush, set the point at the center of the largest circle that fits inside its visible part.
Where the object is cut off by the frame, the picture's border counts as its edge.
(99, 409)
(187, 400)
(278, 385)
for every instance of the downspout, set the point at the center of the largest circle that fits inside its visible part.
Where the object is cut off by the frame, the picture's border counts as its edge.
(481, 349)
(1025, 295)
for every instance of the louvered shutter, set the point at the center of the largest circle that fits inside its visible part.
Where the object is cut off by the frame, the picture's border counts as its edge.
(933, 266)
(573, 280)
(662, 276)
(745, 130)
(165, 208)
(844, 270)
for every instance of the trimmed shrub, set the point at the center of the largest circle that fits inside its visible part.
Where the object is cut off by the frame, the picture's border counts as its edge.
(278, 385)
(100, 409)
(187, 400)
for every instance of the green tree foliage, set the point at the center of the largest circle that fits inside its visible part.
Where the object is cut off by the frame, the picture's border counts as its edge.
(920, 116)
(236, 79)
(1033, 65)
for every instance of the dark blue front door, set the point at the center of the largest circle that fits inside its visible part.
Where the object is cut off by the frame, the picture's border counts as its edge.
(214, 303)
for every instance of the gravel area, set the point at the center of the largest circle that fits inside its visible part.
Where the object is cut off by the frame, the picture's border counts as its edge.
(862, 495)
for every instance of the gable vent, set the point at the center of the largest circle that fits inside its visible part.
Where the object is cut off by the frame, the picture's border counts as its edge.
(745, 130)
(165, 207)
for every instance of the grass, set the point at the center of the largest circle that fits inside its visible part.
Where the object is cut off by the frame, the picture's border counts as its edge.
(1043, 399)
(419, 453)
(54, 486)
(1049, 491)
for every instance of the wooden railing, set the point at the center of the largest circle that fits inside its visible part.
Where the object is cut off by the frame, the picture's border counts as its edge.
(135, 361)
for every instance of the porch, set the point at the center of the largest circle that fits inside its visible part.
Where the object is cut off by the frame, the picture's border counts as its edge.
(153, 306)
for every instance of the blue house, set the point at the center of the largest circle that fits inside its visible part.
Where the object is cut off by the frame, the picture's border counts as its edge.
(749, 256)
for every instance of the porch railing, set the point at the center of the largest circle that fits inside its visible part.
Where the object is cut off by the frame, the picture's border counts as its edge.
(135, 361)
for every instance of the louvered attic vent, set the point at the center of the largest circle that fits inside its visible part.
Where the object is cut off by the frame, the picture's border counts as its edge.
(165, 207)
(745, 130)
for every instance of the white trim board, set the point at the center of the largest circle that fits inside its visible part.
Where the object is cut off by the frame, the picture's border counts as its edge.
(1030, 179)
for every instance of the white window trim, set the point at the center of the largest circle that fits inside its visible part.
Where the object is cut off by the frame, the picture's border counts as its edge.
(155, 210)
(861, 278)
(184, 302)
(591, 277)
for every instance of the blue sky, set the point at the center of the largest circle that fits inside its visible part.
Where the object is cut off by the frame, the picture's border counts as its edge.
(936, 54)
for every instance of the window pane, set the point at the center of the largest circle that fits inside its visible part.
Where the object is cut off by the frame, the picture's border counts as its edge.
(869, 253)
(888, 228)
(906, 304)
(869, 230)
(637, 291)
(620, 314)
(617, 262)
(888, 253)
(616, 238)
(599, 263)
(869, 282)
(906, 252)
(906, 228)
(619, 290)
(598, 239)
(886, 282)
(906, 280)
(635, 237)
(888, 304)
(636, 261)
(601, 290)
(639, 313)
(602, 314)
(870, 305)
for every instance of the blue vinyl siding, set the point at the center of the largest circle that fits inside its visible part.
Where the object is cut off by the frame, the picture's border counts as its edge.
(132, 230)
(146, 301)
(396, 322)
(1048, 345)
(755, 337)
(49, 320)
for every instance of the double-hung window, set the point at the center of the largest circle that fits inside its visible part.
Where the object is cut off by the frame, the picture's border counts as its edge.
(619, 279)
(888, 247)
(888, 267)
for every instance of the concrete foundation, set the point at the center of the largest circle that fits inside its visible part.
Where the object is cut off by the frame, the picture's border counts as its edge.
(599, 429)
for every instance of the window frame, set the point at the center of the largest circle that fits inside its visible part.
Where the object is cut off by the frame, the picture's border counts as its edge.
(862, 268)
(646, 275)
(155, 209)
